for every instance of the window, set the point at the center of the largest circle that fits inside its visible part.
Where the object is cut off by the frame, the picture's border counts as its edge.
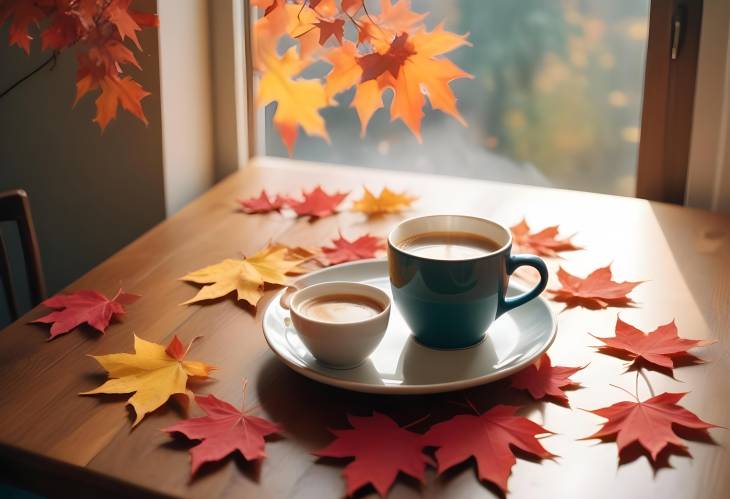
(555, 100)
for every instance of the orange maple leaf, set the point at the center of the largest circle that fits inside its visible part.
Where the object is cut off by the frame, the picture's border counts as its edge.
(407, 65)
(401, 55)
(325, 8)
(119, 15)
(351, 6)
(263, 4)
(394, 19)
(423, 69)
(115, 91)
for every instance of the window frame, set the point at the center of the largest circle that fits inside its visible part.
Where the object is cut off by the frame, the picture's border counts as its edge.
(708, 177)
(669, 95)
(669, 92)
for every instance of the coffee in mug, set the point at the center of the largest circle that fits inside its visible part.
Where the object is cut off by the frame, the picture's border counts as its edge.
(448, 245)
(449, 276)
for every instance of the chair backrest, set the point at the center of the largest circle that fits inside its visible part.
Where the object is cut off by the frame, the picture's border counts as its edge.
(15, 207)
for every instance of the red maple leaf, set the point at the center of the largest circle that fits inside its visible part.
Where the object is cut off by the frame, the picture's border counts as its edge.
(649, 423)
(543, 243)
(661, 347)
(317, 203)
(261, 204)
(145, 19)
(225, 429)
(24, 14)
(328, 29)
(86, 306)
(375, 64)
(489, 439)
(349, 251)
(62, 32)
(595, 291)
(543, 379)
(381, 450)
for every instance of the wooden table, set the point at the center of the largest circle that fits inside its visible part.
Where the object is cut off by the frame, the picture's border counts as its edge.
(59, 443)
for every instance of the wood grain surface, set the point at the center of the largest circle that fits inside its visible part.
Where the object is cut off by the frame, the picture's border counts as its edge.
(61, 444)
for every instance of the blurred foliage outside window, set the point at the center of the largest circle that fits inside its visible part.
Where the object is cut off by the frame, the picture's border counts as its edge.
(556, 99)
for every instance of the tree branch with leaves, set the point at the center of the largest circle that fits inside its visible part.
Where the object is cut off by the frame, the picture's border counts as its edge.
(100, 31)
(393, 50)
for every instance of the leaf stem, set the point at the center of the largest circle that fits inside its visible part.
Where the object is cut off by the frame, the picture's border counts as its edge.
(251, 409)
(419, 420)
(52, 59)
(190, 345)
(467, 398)
(245, 385)
(625, 390)
(648, 384)
(370, 18)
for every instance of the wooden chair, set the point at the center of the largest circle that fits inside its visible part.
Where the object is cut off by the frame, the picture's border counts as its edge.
(15, 207)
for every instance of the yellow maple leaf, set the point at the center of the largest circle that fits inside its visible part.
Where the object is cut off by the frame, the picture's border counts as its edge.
(386, 202)
(153, 373)
(302, 27)
(298, 100)
(299, 22)
(247, 276)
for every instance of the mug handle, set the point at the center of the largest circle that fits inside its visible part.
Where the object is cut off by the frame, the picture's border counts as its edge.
(513, 262)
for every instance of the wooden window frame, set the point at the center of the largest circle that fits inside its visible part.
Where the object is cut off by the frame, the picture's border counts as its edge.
(669, 93)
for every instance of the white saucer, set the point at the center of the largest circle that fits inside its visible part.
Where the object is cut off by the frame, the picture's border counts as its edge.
(400, 365)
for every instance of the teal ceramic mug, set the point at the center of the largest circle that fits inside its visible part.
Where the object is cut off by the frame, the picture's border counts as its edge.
(450, 303)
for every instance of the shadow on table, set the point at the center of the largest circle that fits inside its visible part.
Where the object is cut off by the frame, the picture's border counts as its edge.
(306, 408)
(9, 492)
(701, 253)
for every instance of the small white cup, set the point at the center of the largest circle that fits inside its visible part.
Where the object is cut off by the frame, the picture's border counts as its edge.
(342, 345)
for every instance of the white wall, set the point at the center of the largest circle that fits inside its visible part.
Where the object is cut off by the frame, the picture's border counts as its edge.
(91, 193)
(229, 85)
(185, 81)
(708, 176)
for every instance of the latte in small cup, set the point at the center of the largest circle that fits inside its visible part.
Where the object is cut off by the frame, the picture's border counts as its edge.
(340, 308)
(340, 323)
